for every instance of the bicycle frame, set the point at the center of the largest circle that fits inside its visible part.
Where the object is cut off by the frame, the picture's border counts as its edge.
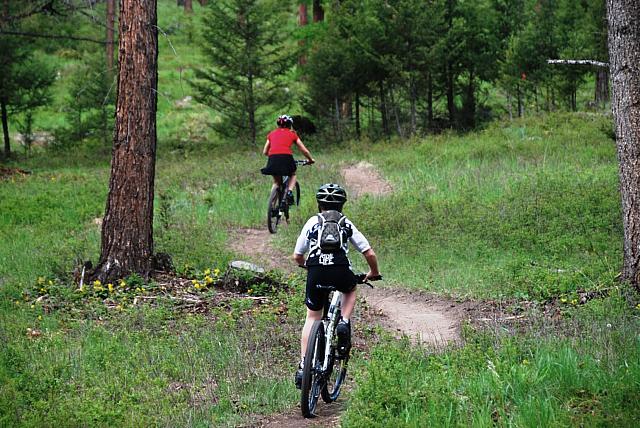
(330, 320)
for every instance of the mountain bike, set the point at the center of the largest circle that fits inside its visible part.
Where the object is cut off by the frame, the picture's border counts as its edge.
(324, 369)
(278, 206)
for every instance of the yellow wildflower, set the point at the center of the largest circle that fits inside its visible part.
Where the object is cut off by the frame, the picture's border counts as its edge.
(207, 271)
(50, 282)
(97, 283)
(525, 362)
(40, 317)
(208, 279)
(216, 271)
(563, 300)
(110, 286)
(574, 302)
(40, 280)
(122, 283)
(194, 281)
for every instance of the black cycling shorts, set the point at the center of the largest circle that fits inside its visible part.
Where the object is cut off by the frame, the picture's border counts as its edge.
(339, 276)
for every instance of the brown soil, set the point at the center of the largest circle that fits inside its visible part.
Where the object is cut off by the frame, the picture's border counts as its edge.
(363, 178)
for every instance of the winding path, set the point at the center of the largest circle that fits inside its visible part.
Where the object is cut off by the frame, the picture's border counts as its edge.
(425, 318)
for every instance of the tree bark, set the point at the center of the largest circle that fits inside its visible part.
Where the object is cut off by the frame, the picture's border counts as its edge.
(357, 114)
(383, 108)
(624, 57)
(602, 86)
(188, 6)
(111, 8)
(127, 227)
(203, 3)
(302, 21)
(5, 129)
(318, 11)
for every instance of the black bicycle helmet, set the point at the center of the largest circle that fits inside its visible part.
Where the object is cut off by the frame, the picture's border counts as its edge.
(331, 193)
(284, 121)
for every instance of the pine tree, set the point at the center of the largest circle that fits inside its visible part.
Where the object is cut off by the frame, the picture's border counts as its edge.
(244, 44)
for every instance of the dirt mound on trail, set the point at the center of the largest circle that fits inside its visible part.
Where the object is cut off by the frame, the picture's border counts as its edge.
(363, 178)
(256, 245)
(424, 317)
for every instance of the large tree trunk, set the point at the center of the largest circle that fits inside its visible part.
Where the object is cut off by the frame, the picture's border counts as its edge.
(127, 228)
(188, 6)
(5, 129)
(624, 59)
(111, 8)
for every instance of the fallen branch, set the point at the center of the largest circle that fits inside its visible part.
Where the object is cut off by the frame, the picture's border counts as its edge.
(579, 62)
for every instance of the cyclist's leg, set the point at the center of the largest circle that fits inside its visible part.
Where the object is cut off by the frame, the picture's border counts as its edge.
(292, 182)
(312, 316)
(277, 180)
(348, 303)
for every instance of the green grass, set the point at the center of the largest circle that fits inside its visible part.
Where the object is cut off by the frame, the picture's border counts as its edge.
(527, 209)
(580, 373)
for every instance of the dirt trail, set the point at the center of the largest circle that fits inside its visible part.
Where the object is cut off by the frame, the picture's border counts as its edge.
(425, 318)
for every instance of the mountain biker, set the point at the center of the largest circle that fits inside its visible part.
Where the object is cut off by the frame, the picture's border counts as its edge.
(330, 269)
(278, 148)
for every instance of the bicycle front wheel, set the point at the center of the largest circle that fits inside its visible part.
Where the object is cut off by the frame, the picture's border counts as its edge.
(312, 376)
(273, 210)
(337, 372)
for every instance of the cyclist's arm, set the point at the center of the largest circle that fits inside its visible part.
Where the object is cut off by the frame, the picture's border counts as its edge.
(265, 151)
(304, 150)
(372, 261)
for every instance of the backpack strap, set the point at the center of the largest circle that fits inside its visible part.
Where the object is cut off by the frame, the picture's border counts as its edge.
(321, 221)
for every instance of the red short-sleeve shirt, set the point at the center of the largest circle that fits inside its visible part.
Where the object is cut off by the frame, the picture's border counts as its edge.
(281, 140)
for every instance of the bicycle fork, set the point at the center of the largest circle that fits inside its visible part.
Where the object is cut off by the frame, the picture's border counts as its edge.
(330, 325)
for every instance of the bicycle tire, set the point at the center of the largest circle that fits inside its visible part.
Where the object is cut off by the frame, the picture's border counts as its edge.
(297, 194)
(337, 373)
(273, 210)
(312, 376)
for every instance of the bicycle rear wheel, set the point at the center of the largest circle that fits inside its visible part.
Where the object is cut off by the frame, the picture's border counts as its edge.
(312, 376)
(273, 210)
(297, 193)
(337, 374)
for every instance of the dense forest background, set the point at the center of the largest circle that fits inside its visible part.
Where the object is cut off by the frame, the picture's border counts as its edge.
(373, 68)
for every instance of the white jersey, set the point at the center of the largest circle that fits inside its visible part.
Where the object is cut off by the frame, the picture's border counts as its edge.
(308, 240)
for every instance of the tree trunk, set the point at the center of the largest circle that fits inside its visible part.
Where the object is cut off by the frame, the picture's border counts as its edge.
(203, 3)
(111, 8)
(5, 129)
(357, 114)
(127, 227)
(602, 87)
(413, 99)
(188, 6)
(251, 111)
(318, 11)
(429, 100)
(383, 108)
(302, 21)
(451, 108)
(624, 52)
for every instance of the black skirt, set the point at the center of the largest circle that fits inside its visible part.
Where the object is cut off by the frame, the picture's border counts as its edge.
(279, 165)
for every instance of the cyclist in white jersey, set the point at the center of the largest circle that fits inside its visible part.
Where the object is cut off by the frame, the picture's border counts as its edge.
(330, 268)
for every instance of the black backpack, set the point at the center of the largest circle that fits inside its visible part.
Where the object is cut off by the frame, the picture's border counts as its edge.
(333, 232)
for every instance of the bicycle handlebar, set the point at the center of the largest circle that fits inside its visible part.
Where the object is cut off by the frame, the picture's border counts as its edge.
(302, 162)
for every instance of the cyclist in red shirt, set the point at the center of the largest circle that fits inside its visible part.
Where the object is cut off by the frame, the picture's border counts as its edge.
(278, 148)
